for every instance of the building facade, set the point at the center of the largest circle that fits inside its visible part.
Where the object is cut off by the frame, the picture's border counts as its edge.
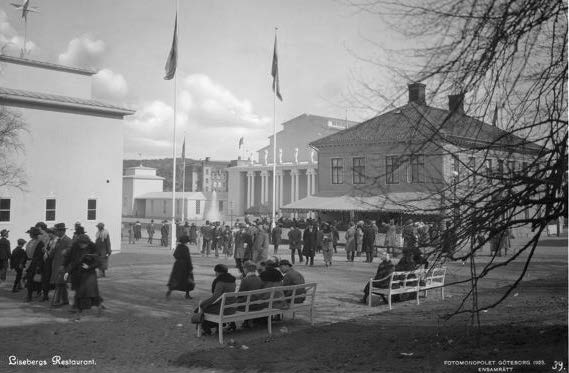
(407, 161)
(72, 150)
(251, 183)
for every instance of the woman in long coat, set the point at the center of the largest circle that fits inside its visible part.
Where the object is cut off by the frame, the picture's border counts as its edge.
(35, 251)
(350, 242)
(309, 244)
(327, 244)
(81, 263)
(391, 236)
(359, 237)
(182, 276)
(103, 245)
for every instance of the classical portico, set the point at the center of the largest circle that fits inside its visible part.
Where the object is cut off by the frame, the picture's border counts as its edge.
(254, 182)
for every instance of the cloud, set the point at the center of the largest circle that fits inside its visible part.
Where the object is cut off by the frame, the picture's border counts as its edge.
(84, 52)
(109, 85)
(211, 116)
(10, 41)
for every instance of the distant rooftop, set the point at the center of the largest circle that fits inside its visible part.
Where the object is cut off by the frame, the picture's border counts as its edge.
(46, 65)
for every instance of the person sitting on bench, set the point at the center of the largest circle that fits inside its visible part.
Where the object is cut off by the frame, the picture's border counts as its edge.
(384, 269)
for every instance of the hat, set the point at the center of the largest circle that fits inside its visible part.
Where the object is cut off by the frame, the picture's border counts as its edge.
(4, 232)
(101, 225)
(41, 225)
(78, 223)
(59, 227)
(21, 241)
(33, 231)
(83, 238)
(184, 239)
(221, 268)
(249, 266)
(285, 262)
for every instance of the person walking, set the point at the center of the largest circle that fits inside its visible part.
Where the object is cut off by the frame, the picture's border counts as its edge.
(276, 238)
(335, 237)
(5, 252)
(309, 244)
(137, 231)
(327, 248)
(182, 276)
(18, 263)
(150, 231)
(103, 246)
(368, 241)
(207, 236)
(81, 263)
(46, 273)
(164, 233)
(350, 237)
(295, 243)
(57, 254)
(34, 251)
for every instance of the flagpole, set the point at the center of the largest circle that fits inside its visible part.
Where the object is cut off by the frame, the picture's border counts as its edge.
(274, 150)
(173, 230)
(184, 179)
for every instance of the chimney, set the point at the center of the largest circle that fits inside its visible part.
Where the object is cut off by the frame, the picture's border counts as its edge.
(417, 93)
(456, 103)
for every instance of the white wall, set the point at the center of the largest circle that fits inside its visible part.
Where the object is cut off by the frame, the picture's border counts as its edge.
(71, 158)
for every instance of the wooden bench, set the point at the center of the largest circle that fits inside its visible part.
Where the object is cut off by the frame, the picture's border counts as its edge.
(409, 282)
(247, 305)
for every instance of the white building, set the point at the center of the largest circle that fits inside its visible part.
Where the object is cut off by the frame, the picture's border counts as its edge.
(73, 150)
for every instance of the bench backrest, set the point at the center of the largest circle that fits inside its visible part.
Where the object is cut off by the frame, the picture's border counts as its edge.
(435, 276)
(269, 298)
(405, 279)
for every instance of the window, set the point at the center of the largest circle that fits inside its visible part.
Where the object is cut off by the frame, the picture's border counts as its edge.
(220, 206)
(337, 170)
(5, 209)
(50, 209)
(198, 210)
(358, 170)
(417, 169)
(488, 167)
(92, 209)
(472, 171)
(500, 168)
(392, 169)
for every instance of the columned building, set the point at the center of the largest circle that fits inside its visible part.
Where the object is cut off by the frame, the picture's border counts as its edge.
(251, 182)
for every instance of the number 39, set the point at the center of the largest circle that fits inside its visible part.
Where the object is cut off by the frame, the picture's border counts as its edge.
(557, 366)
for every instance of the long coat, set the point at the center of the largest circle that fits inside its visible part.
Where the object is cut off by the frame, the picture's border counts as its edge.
(57, 254)
(261, 247)
(369, 238)
(182, 271)
(35, 248)
(309, 241)
(351, 239)
(327, 247)
(359, 239)
(103, 245)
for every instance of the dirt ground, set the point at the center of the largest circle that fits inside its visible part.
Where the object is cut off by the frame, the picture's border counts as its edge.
(142, 332)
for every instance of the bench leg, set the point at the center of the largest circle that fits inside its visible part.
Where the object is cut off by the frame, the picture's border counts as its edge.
(198, 330)
(311, 319)
(269, 325)
(389, 300)
(418, 292)
(221, 333)
(442, 292)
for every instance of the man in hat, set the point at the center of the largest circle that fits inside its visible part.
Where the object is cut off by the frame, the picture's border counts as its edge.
(5, 253)
(291, 277)
(295, 242)
(57, 254)
(164, 233)
(103, 246)
(150, 231)
(18, 263)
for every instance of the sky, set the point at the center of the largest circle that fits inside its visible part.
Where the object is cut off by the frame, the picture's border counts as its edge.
(224, 63)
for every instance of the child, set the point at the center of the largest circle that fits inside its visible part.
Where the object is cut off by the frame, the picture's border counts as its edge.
(18, 262)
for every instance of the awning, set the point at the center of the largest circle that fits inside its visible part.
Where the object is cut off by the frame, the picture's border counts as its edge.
(410, 203)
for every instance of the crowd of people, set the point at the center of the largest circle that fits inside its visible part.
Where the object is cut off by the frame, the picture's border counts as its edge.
(50, 260)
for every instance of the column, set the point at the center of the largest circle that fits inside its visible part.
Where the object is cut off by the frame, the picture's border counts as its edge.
(308, 182)
(280, 186)
(264, 187)
(250, 188)
(296, 185)
(293, 174)
(313, 183)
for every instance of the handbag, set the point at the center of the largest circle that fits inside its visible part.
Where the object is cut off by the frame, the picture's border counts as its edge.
(197, 317)
(191, 283)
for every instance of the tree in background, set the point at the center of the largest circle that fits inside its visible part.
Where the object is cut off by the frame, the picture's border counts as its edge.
(509, 59)
(11, 125)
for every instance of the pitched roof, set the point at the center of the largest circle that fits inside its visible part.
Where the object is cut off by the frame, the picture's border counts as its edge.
(18, 97)
(46, 65)
(417, 123)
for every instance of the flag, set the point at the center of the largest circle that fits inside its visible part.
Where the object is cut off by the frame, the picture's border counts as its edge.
(240, 142)
(275, 72)
(172, 60)
(495, 118)
(184, 149)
